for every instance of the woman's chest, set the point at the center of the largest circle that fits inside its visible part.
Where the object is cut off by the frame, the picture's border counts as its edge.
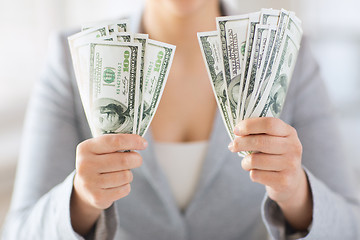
(186, 111)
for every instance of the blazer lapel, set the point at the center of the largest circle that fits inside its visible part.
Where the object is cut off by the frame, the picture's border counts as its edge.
(157, 179)
(217, 154)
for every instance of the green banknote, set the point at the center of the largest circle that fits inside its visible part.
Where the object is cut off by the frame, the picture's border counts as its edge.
(253, 21)
(80, 53)
(142, 40)
(159, 57)
(113, 25)
(233, 35)
(211, 50)
(114, 80)
(263, 60)
(120, 75)
(273, 99)
(281, 27)
(123, 36)
(260, 39)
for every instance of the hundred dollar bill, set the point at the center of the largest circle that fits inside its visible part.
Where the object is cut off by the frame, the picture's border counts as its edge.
(123, 36)
(158, 60)
(269, 16)
(294, 26)
(283, 20)
(273, 98)
(253, 21)
(142, 40)
(113, 25)
(233, 35)
(261, 37)
(263, 62)
(211, 51)
(114, 80)
(79, 48)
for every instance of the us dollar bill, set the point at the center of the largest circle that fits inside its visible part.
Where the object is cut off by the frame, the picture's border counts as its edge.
(253, 21)
(294, 26)
(114, 80)
(141, 39)
(261, 36)
(159, 57)
(261, 68)
(121, 25)
(211, 51)
(296, 30)
(281, 27)
(269, 17)
(274, 96)
(123, 36)
(80, 54)
(233, 35)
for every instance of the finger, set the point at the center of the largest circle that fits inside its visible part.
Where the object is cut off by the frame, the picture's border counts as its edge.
(114, 179)
(277, 180)
(115, 142)
(266, 162)
(117, 193)
(260, 143)
(118, 161)
(263, 125)
(103, 198)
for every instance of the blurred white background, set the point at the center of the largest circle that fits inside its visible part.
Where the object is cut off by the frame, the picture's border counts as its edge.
(332, 26)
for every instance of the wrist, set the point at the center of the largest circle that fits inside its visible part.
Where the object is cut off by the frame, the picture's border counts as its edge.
(298, 208)
(83, 215)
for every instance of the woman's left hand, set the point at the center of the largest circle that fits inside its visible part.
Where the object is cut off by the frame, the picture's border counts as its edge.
(276, 163)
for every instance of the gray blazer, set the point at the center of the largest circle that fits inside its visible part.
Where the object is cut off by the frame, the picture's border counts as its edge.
(226, 206)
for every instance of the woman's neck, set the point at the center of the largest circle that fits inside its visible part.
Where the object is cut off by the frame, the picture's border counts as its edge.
(165, 23)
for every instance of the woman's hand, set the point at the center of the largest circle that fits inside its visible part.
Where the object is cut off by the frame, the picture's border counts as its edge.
(276, 163)
(102, 176)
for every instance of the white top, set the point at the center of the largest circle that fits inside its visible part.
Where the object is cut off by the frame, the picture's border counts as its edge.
(182, 164)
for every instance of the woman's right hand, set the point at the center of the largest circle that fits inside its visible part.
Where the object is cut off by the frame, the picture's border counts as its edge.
(102, 176)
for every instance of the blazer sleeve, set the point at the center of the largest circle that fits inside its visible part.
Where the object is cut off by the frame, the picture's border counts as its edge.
(336, 206)
(40, 207)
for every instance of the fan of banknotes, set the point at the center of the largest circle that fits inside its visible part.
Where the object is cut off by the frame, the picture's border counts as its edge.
(120, 76)
(250, 60)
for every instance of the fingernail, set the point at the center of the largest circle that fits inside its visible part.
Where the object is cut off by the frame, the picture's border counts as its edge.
(236, 131)
(231, 145)
(145, 143)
